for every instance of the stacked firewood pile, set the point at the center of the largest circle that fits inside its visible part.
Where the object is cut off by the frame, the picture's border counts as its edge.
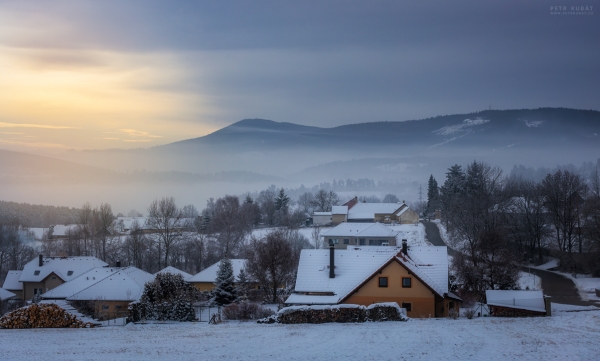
(386, 312)
(322, 314)
(513, 312)
(340, 313)
(41, 316)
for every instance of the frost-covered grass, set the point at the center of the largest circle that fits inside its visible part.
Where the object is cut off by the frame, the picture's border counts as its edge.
(564, 336)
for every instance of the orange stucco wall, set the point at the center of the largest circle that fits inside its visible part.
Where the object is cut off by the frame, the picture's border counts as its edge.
(422, 299)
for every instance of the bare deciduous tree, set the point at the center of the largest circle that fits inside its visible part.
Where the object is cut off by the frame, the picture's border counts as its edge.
(165, 217)
(324, 200)
(272, 261)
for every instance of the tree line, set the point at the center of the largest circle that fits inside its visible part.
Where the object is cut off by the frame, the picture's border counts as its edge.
(497, 223)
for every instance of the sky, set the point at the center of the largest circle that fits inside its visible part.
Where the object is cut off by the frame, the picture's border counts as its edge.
(129, 74)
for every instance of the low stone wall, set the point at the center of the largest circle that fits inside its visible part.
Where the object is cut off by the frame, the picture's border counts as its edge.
(498, 311)
(342, 313)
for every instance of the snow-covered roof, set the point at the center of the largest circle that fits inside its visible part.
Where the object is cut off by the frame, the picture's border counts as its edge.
(175, 271)
(125, 285)
(413, 233)
(210, 274)
(360, 230)
(523, 300)
(74, 286)
(5, 295)
(339, 210)
(352, 267)
(67, 268)
(321, 213)
(368, 210)
(58, 230)
(11, 282)
(433, 263)
(355, 265)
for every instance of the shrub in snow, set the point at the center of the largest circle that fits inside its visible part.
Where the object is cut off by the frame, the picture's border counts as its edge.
(469, 313)
(225, 291)
(453, 314)
(269, 320)
(246, 311)
(168, 297)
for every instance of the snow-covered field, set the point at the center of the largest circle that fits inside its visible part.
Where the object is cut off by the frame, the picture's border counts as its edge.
(564, 336)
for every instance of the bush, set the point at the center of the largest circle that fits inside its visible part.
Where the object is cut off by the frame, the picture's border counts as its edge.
(246, 311)
(453, 314)
(469, 313)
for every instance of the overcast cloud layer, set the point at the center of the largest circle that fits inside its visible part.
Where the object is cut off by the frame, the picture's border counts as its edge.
(140, 73)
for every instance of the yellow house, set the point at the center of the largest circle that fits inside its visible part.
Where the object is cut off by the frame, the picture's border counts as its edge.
(415, 278)
(205, 279)
(112, 294)
(43, 274)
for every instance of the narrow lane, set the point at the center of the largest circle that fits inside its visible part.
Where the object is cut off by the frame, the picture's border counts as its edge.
(432, 232)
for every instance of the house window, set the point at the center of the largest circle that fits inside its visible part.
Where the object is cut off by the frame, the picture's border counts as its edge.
(407, 305)
(383, 281)
(104, 307)
(118, 307)
(333, 240)
(372, 242)
(363, 242)
(406, 282)
(36, 273)
(346, 241)
(53, 277)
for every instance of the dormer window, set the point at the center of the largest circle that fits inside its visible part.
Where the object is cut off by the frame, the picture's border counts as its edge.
(36, 273)
(70, 273)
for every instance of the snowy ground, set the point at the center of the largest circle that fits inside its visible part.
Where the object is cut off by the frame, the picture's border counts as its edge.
(586, 285)
(529, 281)
(564, 336)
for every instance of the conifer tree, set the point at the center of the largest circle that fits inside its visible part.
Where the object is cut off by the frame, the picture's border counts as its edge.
(225, 292)
(243, 284)
(282, 201)
(433, 195)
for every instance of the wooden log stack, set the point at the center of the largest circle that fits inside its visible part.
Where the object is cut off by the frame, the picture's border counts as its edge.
(42, 316)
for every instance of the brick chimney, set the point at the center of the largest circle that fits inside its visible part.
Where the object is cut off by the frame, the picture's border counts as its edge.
(41, 260)
(331, 260)
(405, 247)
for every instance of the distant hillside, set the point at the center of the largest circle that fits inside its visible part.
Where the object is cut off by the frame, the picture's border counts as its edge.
(35, 215)
(532, 137)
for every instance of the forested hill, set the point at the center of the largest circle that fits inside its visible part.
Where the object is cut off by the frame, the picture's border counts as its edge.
(35, 215)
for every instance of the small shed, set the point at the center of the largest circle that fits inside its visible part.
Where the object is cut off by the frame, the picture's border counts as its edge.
(516, 303)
